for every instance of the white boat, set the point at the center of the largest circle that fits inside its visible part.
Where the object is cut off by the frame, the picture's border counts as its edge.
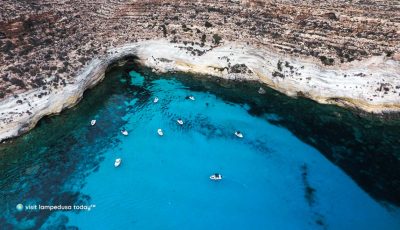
(155, 100)
(216, 176)
(160, 132)
(192, 98)
(93, 122)
(124, 132)
(179, 121)
(239, 134)
(117, 162)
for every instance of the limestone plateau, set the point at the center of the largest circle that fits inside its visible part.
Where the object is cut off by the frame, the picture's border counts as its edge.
(341, 52)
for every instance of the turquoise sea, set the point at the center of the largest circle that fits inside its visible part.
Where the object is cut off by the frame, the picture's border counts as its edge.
(300, 165)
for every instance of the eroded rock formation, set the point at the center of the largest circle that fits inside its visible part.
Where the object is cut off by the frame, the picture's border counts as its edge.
(354, 46)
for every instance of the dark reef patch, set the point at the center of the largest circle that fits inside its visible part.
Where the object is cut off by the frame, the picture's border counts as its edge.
(309, 191)
(52, 168)
(367, 148)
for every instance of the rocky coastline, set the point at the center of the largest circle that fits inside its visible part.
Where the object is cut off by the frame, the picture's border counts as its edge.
(338, 52)
(370, 85)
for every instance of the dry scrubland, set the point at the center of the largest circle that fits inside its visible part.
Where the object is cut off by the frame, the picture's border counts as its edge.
(44, 43)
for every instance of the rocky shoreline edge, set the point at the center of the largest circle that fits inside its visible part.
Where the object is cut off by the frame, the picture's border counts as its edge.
(371, 85)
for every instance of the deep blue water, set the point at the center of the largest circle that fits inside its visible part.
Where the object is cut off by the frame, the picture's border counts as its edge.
(300, 165)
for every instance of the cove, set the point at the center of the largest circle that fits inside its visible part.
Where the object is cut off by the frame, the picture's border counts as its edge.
(300, 165)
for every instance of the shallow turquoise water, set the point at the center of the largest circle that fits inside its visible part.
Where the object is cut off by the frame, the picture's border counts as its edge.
(272, 179)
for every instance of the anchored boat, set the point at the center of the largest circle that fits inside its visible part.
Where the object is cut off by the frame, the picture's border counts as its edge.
(117, 162)
(160, 132)
(124, 132)
(216, 177)
(239, 134)
(180, 121)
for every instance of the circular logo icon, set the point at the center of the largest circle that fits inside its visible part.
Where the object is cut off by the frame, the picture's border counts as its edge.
(20, 207)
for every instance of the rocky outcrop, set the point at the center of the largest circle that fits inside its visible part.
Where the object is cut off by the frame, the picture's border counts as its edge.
(44, 44)
(372, 85)
(342, 52)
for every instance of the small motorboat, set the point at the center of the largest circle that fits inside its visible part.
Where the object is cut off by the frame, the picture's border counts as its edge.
(191, 98)
(216, 177)
(160, 132)
(93, 122)
(239, 134)
(117, 162)
(124, 132)
(155, 100)
(180, 121)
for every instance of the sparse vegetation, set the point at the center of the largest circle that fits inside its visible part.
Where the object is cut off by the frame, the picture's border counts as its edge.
(326, 60)
(68, 37)
(216, 39)
(17, 82)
